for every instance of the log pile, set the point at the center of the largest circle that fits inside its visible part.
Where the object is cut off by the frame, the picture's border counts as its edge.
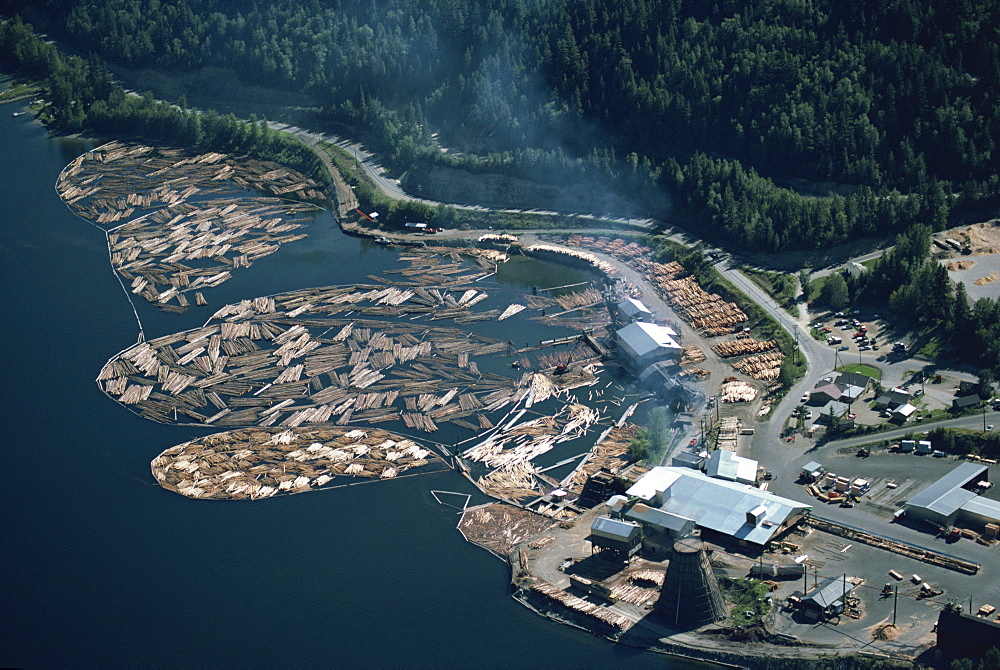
(742, 346)
(583, 258)
(613, 246)
(763, 366)
(616, 621)
(609, 454)
(691, 355)
(254, 463)
(737, 391)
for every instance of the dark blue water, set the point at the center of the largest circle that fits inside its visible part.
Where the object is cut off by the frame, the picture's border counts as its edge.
(102, 567)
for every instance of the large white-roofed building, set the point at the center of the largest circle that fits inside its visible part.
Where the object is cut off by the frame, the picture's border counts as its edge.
(645, 343)
(723, 510)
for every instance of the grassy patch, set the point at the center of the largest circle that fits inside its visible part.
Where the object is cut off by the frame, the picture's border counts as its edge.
(778, 285)
(932, 349)
(18, 91)
(862, 368)
(748, 598)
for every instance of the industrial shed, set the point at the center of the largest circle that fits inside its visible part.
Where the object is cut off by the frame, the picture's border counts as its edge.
(623, 537)
(941, 503)
(729, 511)
(645, 343)
(723, 464)
(631, 309)
(829, 597)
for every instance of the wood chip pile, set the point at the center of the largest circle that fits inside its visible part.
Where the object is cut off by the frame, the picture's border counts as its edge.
(254, 463)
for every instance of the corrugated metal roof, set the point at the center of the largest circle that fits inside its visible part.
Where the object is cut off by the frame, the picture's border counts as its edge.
(983, 507)
(639, 339)
(632, 307)
(717, 504)
(829, 592)
(812, 466)
(657, 517)
(613, 529)
(938, 497)
(727, 465)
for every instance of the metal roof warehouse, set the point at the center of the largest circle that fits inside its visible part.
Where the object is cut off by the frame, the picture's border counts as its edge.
(732, 511)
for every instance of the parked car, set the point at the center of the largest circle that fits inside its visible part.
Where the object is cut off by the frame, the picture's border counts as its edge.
(809, 415)
(805, 397)
(864, 347)
(843, 348)
(989, 427)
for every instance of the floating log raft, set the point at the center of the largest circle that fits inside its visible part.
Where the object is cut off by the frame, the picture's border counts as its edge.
(190, 220)
(255, 463)
(499, 527)
(272, 369)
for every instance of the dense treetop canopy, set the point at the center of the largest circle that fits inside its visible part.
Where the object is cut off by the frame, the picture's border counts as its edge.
(727, 105)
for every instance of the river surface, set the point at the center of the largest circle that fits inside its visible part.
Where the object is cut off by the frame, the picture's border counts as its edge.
(103, 567)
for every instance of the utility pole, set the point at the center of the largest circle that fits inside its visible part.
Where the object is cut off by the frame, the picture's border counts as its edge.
(895, 600)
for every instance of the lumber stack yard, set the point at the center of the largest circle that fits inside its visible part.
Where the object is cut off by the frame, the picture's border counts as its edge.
(179, 222)
(255, 463)
(707, 313)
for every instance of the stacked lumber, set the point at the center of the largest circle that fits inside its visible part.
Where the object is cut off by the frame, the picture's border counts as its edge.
(691, 355)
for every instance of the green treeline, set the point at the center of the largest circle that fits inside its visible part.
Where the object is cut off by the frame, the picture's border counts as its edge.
(721, 104)
(909, 281)
(82, 95)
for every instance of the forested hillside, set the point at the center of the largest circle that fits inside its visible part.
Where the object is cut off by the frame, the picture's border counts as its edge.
(722, 104)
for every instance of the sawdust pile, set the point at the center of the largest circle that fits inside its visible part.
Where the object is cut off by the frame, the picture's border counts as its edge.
(982, 238)
(885, 632)
(961, 265)
(988, 279)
